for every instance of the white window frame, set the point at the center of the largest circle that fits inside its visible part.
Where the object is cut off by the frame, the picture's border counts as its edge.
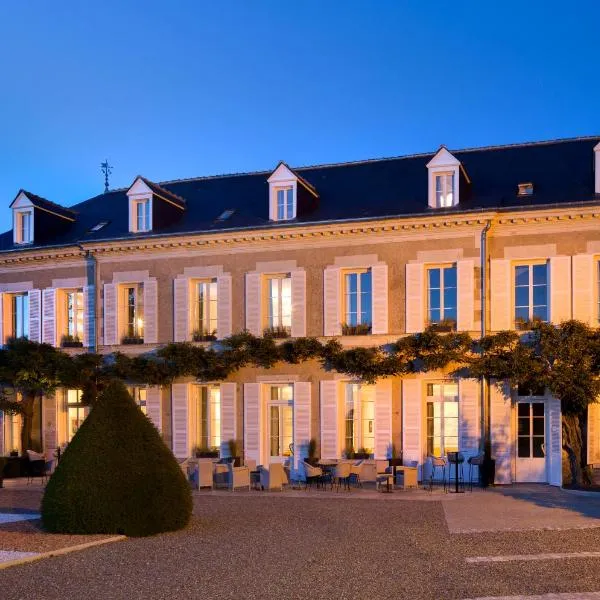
(211, 303)
(531, 286)
(345, 296)
(77, 308)
(78, 407)
(441, 196)
(442, 399)
(443, 164)
(146, 214)
(442, 289)
(19, 215)
(208, 424)
(284, 313)
(139, 393)
(282, 179)
(281, 404)
(12, 329)
(138, 324)
(12, 433)
(358, 418)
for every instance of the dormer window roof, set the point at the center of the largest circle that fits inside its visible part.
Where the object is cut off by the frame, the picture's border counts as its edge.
(289, 194)
(444, 171)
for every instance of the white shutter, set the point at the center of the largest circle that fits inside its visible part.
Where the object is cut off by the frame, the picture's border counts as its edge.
(181, 309)
(1, 326)
(228, 416)
(468, 411)
(379, 275)
(49, 425)
(593, 434)
(301, 421)
(383, 419)
(49, 311)
(179, 411)
(415, 300)
(35, 315)
(465, 275)
(560, 289)
(500, 424)
(329, 420)
(554, 448)
(253, 320)
(89, 316)
(224, 306)
(332, 321)
(153, 406)
(298, 303)
(150, 311)
(110, 314)
(500, 295)
(252, 423)
(585, 279)
(411, 421)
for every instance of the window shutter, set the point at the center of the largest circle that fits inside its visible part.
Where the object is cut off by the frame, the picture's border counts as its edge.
(35, 315)
(1, 327)
(153, 406)
(330, 446)
(150, 311)
(224, 306)
(500, 425)
(299, 303)
(500, 295)
(331, 302)
(383, 419)
(379, 274)
(593, 434)
(585, 279)
(89, 316)
(181, 305)
(468, 411)
(49, 425)
(253, 320)
(301, 421)
(252, 423)
(411, 421)
(49, 322)
(415, 298)
(465, 275)
(554, 450)
(560, 289)
(110, 314)
(179, 411)
(228, 416)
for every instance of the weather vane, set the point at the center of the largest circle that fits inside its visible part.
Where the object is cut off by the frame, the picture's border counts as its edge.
(107, 170)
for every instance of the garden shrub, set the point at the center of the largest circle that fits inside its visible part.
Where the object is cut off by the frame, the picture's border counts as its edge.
(117, 476)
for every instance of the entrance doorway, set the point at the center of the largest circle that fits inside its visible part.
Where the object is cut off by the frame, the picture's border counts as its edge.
(531, 442)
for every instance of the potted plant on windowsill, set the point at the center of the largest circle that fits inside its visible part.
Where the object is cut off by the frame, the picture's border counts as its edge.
(234, 452)
(358, 329)
(443, 326)
(278, 332)
(349, 452)
(203, 335)
(362, 453)
(205, 452)
(132, 340)
(71, 341)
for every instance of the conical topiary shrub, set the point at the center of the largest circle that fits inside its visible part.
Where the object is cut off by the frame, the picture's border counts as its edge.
(117, 475)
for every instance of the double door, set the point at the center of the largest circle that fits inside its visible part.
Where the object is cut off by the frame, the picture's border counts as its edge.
(531, 463)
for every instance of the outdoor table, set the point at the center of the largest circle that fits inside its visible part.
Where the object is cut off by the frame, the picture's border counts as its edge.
(455, 458)
(328, 467)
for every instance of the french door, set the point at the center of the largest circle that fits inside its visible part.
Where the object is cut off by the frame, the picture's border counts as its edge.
(531, 442)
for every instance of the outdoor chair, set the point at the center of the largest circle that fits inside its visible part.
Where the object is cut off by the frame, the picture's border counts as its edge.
(342, 475)
(205, 473)
(220, 475)
(238, 477)
(273, 478)
(475, 461)
(356, 472)
(438, 463)
(37, 466)
(383, 467)
(407, 475)
(313, 474)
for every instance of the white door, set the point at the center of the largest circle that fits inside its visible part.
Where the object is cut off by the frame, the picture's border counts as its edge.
(531, 442)
(280, 428)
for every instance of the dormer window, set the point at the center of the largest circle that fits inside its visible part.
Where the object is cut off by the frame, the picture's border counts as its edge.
(444, 190)
(446, 174)
(142, 214)
(290, 195)
(285, 203)
(24, 226)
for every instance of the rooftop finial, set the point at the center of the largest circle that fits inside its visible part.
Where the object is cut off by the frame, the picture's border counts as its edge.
(107, 170)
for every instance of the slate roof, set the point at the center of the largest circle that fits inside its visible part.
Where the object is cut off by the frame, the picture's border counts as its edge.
(158, 190)
(48, 205)
(562, 171)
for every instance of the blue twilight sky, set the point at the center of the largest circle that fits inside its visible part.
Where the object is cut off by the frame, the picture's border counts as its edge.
(174, 89)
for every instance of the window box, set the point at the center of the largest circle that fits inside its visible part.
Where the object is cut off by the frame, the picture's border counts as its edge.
(71, 341)
(358, 329)
(278, 332)
(444, 326)
(204, 336)
(132, 340)
(206, 452)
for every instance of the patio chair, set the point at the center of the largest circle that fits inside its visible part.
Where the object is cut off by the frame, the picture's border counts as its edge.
(475, 461)
(407, 475)
(356, 472)
(313, 474)
(342, 475)
(437, 462)
(36, 466)
(238, 477)
(220, 475)
(383, 467)
(273, 478)
(205, 473)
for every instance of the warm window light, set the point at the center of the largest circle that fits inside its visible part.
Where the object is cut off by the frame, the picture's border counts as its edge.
(140, 324)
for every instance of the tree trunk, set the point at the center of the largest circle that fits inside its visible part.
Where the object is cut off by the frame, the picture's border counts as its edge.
(28, 407)
(574, 430)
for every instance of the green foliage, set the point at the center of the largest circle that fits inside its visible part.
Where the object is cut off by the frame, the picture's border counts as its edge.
(116, 476)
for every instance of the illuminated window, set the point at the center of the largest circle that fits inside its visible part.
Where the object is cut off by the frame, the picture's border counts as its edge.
(12, 433)
(531, 293)
(205, 313)
(74, 314)
(281, 420)
(140, 396)
(442, 418)
(359, 418)
(24, 227)
(279, 305)
(444, 190)
(19, 322)
(75, 413)
(208, 416)
(133, 303)
(285, 203)
(441, 295)
(358, 302)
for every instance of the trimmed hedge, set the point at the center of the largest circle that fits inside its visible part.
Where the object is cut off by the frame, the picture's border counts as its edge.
(117, 476)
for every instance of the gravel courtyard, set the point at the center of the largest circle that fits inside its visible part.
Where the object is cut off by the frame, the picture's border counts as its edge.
(260, 545)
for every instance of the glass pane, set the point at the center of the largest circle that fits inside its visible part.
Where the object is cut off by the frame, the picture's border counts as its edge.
(522, 296)
(290, 203)
(540, 312)
(449, 300)
(451, 391)
(540, 295)
(537, 409)
(451, 427)
(435, 315)
(450, 444)
(522, 314)
(450, 277)
(538, 447)
(522, 275)
(523, 426)
(523, 409)
(538, 426)
(274, 431)
(540, 274)
(450, 314)
(523, 447)
(434, 298)
(434, 278)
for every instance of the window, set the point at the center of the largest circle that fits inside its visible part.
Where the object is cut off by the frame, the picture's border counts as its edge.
(205, 311)
(285, 203)
(208, 416)
(531, 293)
(19, 315)
(357, 302)
(12, 433)
(442, 418)
(359, 418)
(140, 396)
(225, 214)
(23, 225)
(444, 190)
(142, 214)
(74, 310)
(98, 226)
(75, 413)
(281, 420)
(531, 429)
(441, 295)
(134, 310)
(279, 305)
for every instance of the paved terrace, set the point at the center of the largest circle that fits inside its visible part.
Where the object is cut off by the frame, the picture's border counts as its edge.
(503, 542)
